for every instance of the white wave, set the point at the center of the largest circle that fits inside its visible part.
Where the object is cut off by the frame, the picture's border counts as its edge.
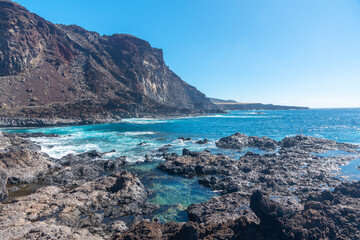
(244, 116)
(58, 151)
(144, 120)
(137, 133)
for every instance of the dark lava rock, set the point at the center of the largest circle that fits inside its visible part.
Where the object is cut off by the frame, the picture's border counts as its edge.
(266, 209)
(82, 167)
(326, 215)
(205, 141)
(200, 163)
(147, 158)
(32, 135)
(286, 173)
(189, 231)
(240, 228)
(163, 149)
(184, 139)
(239, 141)
(224, 184)
(320, 219)
(315, 145)
(221, 209)
(291, 174)
(82, 158)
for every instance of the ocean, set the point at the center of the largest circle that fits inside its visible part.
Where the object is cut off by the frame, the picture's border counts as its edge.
(174, 193)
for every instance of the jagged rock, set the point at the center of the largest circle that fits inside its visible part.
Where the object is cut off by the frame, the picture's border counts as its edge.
(201, 163)
(205, 141)
(240, 228)
(10, 141)
(164, 149)
(266, 209)
(81, 168)
(221, 209)
(290, 176)
(82, 208)
(225, 184)
(327, 215)
(240, 141)
(184, 139)
(315, 145)
(25, 166)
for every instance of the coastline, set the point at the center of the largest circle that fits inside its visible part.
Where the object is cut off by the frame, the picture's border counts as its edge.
(218, 173)
(28, 122)
(6, 122)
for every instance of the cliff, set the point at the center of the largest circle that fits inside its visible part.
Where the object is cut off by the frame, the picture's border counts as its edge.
(49, 71)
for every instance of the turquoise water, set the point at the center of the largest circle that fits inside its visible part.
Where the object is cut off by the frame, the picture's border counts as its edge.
(174, 194)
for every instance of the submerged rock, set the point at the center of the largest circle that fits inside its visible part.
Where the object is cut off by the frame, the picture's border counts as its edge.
(184, 139)
(205, 141)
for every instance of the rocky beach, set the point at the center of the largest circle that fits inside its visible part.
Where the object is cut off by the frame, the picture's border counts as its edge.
(101, 140)
(287, 193)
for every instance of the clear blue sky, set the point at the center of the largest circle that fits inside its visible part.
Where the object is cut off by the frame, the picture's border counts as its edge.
(293, 52)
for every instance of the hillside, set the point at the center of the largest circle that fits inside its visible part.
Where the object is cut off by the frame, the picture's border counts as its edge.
(59, 71)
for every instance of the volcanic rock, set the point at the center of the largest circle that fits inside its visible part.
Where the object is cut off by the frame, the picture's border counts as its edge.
(25, 166)
(221, 209)
(239, 141)
(315, 145)
(80, 209)
(205, 141)
(201, 163)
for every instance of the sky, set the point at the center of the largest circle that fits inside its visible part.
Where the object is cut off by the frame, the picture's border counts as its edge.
(298, 52)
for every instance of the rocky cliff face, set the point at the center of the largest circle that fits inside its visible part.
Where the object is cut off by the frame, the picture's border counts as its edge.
(42, 64)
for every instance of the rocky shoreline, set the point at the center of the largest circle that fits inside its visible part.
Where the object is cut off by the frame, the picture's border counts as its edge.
(7, 121)
(288, 193)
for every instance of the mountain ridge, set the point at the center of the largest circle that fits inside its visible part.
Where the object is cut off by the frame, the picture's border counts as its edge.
(234, 105)
(44, 64)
